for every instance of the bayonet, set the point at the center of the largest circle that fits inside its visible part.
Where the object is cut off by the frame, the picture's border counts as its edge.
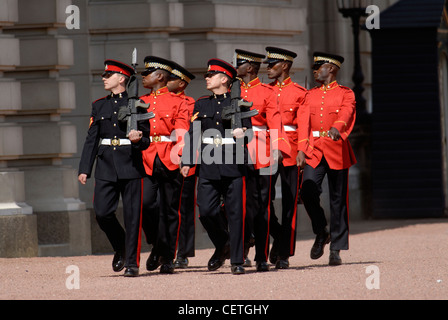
(130, 112)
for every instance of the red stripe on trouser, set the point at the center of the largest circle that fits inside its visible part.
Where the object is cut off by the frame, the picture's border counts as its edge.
(244, 210)
(269, 216)
(179, 215)
(139, 243)
(294, 218)
(348, 214)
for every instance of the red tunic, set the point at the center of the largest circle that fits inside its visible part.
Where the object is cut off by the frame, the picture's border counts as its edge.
(263, 98)
(171, 116)
(295, 114)
(332, 106)
(189, 102)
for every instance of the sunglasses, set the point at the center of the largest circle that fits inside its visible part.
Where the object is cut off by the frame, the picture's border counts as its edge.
(210, 74)
(147, 72)
(107, 75)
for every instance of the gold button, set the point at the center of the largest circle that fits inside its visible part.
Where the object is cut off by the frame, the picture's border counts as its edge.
(217, 123)
(321, 114)
(321, 108)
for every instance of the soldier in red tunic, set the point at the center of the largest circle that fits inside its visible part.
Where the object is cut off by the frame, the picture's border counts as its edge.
(162, 166)
(332, 116)
(179, 80)
(291, 103)
(264, 151)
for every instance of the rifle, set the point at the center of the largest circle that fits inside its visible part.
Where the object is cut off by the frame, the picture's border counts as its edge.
(130, 113)
(233, 112)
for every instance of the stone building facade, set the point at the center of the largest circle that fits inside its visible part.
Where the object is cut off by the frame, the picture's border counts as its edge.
(50, 74)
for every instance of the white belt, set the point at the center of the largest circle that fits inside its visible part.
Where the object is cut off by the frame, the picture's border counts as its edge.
(160, 139)
(218, 141)
(115, 142)
(259, 128)
(317, 134)
(289, 128)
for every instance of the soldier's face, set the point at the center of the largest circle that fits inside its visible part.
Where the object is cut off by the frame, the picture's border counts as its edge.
(275, 70)
(214, 80)
(111, 81)
(176, 85)
(242, 69)
(149, 79)
(322, 73)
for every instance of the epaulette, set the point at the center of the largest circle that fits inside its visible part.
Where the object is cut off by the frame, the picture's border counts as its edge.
(344, 87)
(299, 86)
(203, 97)
(99, 99)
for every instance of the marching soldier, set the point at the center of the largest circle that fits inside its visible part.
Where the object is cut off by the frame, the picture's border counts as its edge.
(333, 114)
(219, 172)
(162, 166)
(119, 168)
(178, 82)
(264, 150)
(291, 103)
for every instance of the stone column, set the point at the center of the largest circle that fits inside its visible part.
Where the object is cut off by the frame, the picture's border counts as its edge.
(18, 226)
(40, 137)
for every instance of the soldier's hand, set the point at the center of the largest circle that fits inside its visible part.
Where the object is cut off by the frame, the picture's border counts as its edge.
(301, 159)
(135, 136)
(238, 133)
(184, 171)
(334, 134)
(82, 178)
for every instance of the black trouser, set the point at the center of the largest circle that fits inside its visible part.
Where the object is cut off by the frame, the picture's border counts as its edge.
(187, 222)
(106, 198)
(284, 234)
(168, 184)
(258, 196)
(338, 189)
(209, 201)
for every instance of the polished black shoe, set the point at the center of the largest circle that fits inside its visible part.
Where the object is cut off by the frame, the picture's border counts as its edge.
(181, 263)
(153, 262)
(282, 263)
(335, 259)
(247, 262)
(167, 268)
(118, 261)
(131, 272)
(273, 255)
(238, 269)
(322, 239)
(218, 258)
(262, 266)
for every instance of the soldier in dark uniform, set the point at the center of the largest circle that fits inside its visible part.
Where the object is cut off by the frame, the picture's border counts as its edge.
(220, 169)
(119, 168)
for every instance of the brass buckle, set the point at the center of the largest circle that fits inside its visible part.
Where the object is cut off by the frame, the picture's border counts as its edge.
(115, 142)
(323, 133)
(156, 139)
(217, 141)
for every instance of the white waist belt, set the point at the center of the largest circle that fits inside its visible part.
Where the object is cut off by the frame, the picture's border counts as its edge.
(317, 134)
(259, 128)
(289, 128)
(218, 141)
(115, 142)
(160, 139)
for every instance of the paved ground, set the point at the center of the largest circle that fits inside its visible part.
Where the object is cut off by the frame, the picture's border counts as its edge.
(403, 260)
